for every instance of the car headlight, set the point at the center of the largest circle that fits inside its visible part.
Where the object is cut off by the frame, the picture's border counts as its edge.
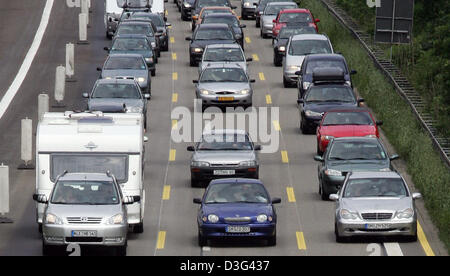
(153, 44)
(385, 170)
(250, 163)
(348, 83)
(141, 79)
(117, 219)
(198, 50)
(261, 218)
(245, 91)
(149, 60)
(282, 48)
(187, 5)
(306, 85)
(294, 68)
(199, 164)
(332, 172)
(213, 218)
(407, 213)
(134, 109)
(326, 137)
(204, 92)
(310, 113)
(247, 4)
(346, 214)
(52, 219)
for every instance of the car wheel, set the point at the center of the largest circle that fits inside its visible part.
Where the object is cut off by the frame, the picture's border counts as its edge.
(285, 83)
(303, 127)
(138, 228)
(318, 150)
(257, 23)
(48, 250)
(195, 183)
(412, 238)
(191, 62)
(108, 35)
(121, 251)
(40, 228)
(323, 194)
(339, 238)
(166, 48)
(202, 241)
(277, 61)
(272, 241)
(153, 72)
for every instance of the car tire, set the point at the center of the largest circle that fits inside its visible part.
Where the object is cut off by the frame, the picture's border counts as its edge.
(138, 228)
(195, 183)
(192, 62)
(202, 241)
(257, 23)
(272, 241)
(277, 61)
(108, 36)
(166, 48)
(121, 251)
(40, 228)
(47, 250)
(323, 195)
(303, 127)
(339, 238)
(412, 238)
(153, 72)
(318, 152)
(285, 83)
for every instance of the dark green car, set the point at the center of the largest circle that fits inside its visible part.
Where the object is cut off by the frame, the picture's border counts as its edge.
(348, 154)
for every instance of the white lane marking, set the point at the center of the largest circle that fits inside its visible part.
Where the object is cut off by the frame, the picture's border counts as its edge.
(393, 249)
(23, 71)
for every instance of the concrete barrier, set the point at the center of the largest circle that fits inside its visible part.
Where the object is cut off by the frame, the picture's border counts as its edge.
(60, 86)
(26, 145)
(4, 193)
(70, 62)
(43, 105)
(82, 22)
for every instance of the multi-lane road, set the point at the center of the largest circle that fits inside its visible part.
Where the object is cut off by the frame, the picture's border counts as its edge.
(305, 223)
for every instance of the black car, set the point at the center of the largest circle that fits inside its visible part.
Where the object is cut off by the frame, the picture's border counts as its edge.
(229, 19)
(348, 154)
(200, 4)
(312, 62)
(162, 30)
(140, 27)
(261, 6)
(207, 34)
(329, 90)
(186, 9)
(281, 40)
(248, 8)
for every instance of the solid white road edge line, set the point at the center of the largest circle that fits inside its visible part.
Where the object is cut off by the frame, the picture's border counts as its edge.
(23, 71)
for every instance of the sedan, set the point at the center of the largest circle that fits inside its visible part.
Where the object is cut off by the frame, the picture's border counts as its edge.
(248, 8)
(237, 207)
(293, 16)
(260, 9)
(269, 15)
(116, 92)
(375, 204)
(223, 53)
(229, 19)
(162, 30)
(349, 154)
(197, 20)
(224, 85)
(145, 28)
(223, 153)
(346, 122)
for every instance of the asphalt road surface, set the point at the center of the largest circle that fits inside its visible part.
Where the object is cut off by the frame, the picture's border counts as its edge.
(305, 222)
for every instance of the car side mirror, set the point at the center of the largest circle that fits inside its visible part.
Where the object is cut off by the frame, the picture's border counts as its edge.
(318, 158)
(379, 123)
(99, 69)
(194, 81)
(145, 139)
(190, 148)
(317, 20)
(416, 195)
(274, 21)
(188, 38)
(334, 197)
(300, 101)
(168, 24)
(276, 200)
(252, 80)
(394, 157)
(147, 96)
(197, 201)
(85, 95)
(258, 147)
(298, 73)
(249, 59)
(131, 199)
(40, 198)
(106, 49)
(353, 72)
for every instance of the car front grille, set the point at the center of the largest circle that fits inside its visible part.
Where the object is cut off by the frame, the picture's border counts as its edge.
(225, 93)
(238, 219)
(376, 216)
(84, 220)
(225, 165)
(84, 239)
(125, 78)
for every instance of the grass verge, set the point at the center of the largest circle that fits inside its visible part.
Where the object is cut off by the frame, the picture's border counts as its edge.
(430, 175)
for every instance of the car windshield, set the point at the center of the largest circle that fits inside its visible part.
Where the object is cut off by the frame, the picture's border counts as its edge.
(290, 31)
(375, 187)
(295, 17)
(225, 142)
(85, 193)
(133, 3)
(229, 20)
(125, 63)
(347, 118)
(155, 18)
(210, 11)
(330, 94)
(135, 29)
(305, 47)
(130, 44)
(223, 75)
(263, 3)
(223, 54)
(213, 34)
(210, 3)
(121, 91)
(236, 193)
(325, 63)
(274, 9)
(356, 150)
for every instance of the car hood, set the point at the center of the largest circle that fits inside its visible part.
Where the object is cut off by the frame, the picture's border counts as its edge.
(224, 86)
(348, 130)
(98, 103)
(324, 107)
(294, 60)
(204, 64)
(358, 165)
(376, 205)
(204, 43)
(224, 156)
(104, 211)
(234, 210)
(124, 73)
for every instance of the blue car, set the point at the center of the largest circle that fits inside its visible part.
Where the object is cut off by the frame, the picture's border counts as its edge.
(237, 207)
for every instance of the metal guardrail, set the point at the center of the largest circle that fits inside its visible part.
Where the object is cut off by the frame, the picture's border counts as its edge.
(401, 84)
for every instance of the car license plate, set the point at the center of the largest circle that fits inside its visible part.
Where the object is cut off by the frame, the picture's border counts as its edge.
(238, 229)
(76, 233)
(224, 172)
(378, 226)
(225, 99)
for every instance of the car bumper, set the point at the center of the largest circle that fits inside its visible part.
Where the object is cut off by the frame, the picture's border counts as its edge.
(111, 27)
(163, 40)
(220, 230)
(107, 235)
(266, 29)
(238, 100)
(290, 76)
(248, 11)
(348, 228)
(196, 56)
(332, 184)
(207, 174)
(312, 122)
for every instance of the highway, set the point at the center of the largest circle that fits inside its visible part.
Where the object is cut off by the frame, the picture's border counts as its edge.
(305, 222)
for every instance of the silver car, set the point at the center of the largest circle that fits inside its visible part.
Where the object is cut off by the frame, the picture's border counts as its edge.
(224, 85)
(297, 48)
(223, 53)
(223, 153)
(374, 204)
(85, 209)
(270, 14)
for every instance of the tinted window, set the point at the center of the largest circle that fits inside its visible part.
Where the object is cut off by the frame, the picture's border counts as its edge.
(351, 150)
(307, 47)
(156, 19)
(130, 44)
(274, 9)
(375, 187)
(214, 34)
(85, 193)
(206, 3)
(223, 75)
(121, 91)
(236, 192)
(230, 20)
(347, 118)
(325, 63)
(288, 32)
(295, 17)
(134, 63)
(142, 29)
(225, 142)
(223, 54)
(210, 11)
(330, 94)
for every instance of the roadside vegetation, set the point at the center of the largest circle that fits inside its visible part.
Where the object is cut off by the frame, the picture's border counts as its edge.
(430, 175)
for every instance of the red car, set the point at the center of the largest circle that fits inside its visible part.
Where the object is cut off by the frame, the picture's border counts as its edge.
(348, 122)
(293, 16)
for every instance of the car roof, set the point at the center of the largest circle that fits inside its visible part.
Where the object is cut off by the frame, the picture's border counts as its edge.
(236, 181)
(362, 139)
(374, 174)
(294, 10)
(221, 14)
(280, 3)
(215, 65)
(228, 131)
(349, 109)
(115, 81)
(213, 26)
(309, 37)
(324, 57)
(85, 176)
(142, 36)
(237, 46)
(125, 55)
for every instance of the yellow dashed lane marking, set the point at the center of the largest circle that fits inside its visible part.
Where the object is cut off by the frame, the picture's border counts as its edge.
(423, 241)
(276, 125)
(172, 155)
(161, 240)
(255, 57)
(175, 76)
(174, 56)
(247, 39)
(268, 99)
(284, 156)
(166, 192)
(261, 76)
(172, 39)
(301, 241)
(174, 97)
(290, 193)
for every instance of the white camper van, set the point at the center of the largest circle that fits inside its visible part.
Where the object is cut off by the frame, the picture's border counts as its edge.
(92, 142)
(113, 11)
(158, 7)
